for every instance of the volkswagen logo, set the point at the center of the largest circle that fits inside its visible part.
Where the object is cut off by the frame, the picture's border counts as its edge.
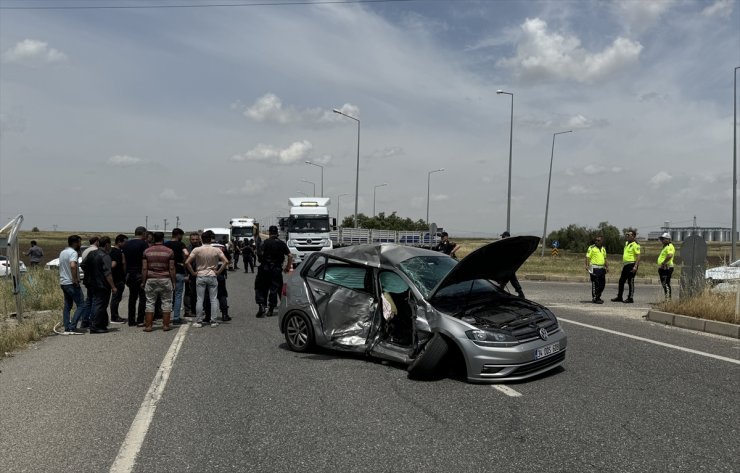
(543, 334)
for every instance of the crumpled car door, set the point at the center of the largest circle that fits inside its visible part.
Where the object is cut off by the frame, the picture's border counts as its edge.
(346, 313)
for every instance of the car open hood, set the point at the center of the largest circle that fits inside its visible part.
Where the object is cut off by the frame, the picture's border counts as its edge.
(496, 261)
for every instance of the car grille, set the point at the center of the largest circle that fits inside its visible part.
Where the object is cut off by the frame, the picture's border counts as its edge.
(309, 248)
(539, 364)
(531, 332)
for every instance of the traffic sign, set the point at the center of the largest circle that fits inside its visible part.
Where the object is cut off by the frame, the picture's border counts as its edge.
(555, 252)
(555, 244)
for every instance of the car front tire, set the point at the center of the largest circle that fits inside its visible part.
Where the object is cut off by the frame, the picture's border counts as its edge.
(427, 365)
(299, 332)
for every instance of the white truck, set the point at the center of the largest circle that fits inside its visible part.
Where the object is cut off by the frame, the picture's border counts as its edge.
(308, 227)
(242, 228)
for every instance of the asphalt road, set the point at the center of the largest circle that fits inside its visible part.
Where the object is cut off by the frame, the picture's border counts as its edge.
(237, 400)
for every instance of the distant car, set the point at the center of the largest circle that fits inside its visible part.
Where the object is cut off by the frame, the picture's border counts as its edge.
(5, 266)
(721, 274)
(415, 306)
(54, 264)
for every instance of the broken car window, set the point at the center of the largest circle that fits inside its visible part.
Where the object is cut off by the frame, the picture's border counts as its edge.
(427, 271)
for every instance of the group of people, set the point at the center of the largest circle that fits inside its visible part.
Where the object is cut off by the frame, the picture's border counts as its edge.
(597, 266)
(163, 277)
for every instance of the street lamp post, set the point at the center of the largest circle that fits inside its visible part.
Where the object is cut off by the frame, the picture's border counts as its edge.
(374, 189)
(429, 180)
(357, 174)
(549, 179)
(338, 197)
(313, 184)
(511, 136)
(322, 175)
(734, 164)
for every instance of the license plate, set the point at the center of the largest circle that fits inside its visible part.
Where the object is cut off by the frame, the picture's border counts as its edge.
(546, 350)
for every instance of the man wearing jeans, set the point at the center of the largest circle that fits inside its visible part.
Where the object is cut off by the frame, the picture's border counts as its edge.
(69, 279)
(180, 252)
(133, 253)
(206, 258)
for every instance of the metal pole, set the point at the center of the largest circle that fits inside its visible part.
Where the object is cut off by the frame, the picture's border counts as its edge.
(338, 196)
(508, 195)
(734, 164)
(357, 175)
(549, 180)
(429, 178)
(322, 181)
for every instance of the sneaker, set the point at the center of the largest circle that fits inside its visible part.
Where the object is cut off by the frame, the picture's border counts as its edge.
(72, 331)
(226, 318)
(178, 322)
(140, 324)
(628, 301)
(261, 312)
(214, 324)
(618, 299)
(197, 325)
(117, 320)
(598, 301)
(270, 311)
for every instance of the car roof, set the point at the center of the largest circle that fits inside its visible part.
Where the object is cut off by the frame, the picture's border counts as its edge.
(381, 254)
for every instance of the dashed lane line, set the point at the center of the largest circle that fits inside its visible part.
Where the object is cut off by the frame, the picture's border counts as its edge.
(654, 342)
(131, 446)
(507, 390)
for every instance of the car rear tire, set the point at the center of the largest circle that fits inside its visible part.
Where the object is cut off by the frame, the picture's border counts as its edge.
(298, 332)
(426, 366)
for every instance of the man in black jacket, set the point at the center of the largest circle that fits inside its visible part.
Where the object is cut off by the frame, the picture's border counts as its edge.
(269, 280)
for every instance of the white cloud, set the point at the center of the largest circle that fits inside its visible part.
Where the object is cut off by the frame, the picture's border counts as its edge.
(168, 195)
(440, 197)
(269, 108)
(719, 8)
(124, 161)
(542, 54)
(661, 178)
(578, 190)
(637, 16)
(593, 169)
(30, 51)
(250, 187)
(388, 152)
(298, 151)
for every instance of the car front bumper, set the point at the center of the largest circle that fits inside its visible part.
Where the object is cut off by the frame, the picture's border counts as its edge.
(491, 364)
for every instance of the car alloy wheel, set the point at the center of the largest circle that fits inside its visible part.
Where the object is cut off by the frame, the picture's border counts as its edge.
(298, 333)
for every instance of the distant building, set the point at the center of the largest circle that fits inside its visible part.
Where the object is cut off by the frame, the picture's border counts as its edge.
(679, 234)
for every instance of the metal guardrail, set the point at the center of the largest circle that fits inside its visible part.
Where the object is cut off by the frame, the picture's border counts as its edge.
(359, 236)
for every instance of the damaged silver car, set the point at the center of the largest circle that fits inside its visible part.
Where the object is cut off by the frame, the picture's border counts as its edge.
(420, 308)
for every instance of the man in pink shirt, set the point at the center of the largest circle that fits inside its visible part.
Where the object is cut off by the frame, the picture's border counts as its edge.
(207, 259)
(158, 279)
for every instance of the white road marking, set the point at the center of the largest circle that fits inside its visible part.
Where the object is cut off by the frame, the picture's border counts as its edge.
(507, 390)
(131, 446)
(655, 342)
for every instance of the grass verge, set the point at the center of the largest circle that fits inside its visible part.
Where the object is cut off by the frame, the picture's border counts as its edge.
(34, 327)
(707, 305)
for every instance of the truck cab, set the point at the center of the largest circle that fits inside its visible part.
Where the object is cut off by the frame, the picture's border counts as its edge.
(307, 229)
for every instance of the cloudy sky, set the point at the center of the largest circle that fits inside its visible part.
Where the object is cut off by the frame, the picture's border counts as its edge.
(207, 113)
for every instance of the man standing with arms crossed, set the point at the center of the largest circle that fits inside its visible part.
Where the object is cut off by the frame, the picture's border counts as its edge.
(630, 262)
(158, 280)
(665, 264)
(206, 258)
(597, 267)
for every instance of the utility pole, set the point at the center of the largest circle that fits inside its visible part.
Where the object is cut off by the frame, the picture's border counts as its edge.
(146, 221)
(165, 225)
(177, 222)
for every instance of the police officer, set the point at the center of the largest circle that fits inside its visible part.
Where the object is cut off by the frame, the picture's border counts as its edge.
(446, 246)
(597, 267)
(269, 280)
(665, 263)
(630, 262)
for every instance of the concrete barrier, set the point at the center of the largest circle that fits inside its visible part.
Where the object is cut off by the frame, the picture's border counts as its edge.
(692, 323)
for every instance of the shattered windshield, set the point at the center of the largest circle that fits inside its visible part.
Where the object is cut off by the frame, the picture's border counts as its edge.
(427, 271)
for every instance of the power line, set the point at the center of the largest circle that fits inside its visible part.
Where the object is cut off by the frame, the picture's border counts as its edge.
(205, 5)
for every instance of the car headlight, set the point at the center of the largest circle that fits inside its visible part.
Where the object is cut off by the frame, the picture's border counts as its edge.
(291, 243)
(487, 336)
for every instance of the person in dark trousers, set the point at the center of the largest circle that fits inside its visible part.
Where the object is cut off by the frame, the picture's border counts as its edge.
(133, 253)
(35, 253)
(512, 278)
(236, 245)
(269, 280)
(630, 262)
(446, 246)
(597, 267)
(118, 270)
(87, 280)
(103, 285)
(665, 263)
(181, 253)
(248, 252)
(190, 291)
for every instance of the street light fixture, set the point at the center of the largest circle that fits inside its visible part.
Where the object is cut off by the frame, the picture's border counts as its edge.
(549, 179)
(374, 188)
(338, 197)
(322, 175)
(429, 179)
(511, 136)
(313, 184)
(357, 174)
(734, 165)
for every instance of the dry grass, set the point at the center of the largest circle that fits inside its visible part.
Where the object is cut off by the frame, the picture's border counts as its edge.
(707, 305)
(34, 327)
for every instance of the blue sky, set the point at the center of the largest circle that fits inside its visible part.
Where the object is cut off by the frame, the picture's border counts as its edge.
(107, 116)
